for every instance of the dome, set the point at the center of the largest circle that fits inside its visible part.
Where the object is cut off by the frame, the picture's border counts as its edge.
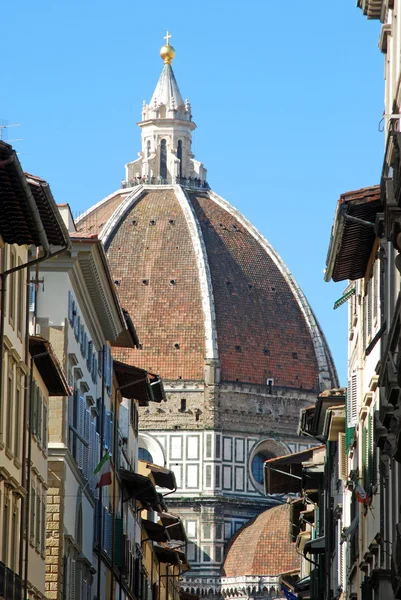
(204, 287)
(262, 547)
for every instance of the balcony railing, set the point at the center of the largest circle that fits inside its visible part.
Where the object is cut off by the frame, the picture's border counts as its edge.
(189, 182)
(10, 584)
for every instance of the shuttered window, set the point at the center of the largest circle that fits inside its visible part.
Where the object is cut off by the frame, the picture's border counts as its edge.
(352, 400)
(369, 308)
(32, 516)
(342, 457)
(72, 579)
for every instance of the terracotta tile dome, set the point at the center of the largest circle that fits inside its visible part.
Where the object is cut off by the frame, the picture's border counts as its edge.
(262, 547)
(202, 284)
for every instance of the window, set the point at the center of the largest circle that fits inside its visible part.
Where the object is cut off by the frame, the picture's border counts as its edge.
(206, 553)
(206, 531)
(14, 536)
(208, 445)
(10, 404)
(38, 518)
(17, 423)
(144, 454)
(11, 288)
(208, 476)
(257, 467)
(179, 155)
(183, 405)
(218, 554)
(163, 159)
(352, 400)
(217, 476)
(21, 300)
(5, 532)
(148, 151)
(32, 516)
(218, 446)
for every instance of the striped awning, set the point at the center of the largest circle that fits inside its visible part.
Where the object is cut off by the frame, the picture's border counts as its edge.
(344, 298)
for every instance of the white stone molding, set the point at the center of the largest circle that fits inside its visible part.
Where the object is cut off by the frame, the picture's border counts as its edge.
(205, 278)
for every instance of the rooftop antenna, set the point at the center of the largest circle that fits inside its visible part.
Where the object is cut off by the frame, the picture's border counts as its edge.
(3, 129)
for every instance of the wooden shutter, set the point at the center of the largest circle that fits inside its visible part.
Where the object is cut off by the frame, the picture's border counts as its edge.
(369, 310)
(38, 518)
(342, 457)
(43, 531)
(86, 448)
(70, 308)
(352, 400)
(81, 430)
(72, 579)
(363, 323)
(39, 417)
(376, 271)
(44, 437)
(32, 516)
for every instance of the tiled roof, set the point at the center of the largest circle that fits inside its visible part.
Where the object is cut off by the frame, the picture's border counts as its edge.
(151, 249)
(262, 547)
(261, 331)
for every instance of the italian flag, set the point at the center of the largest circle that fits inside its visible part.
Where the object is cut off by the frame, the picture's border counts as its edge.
(103, 471)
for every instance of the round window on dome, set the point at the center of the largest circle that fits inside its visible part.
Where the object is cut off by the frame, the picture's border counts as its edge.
(144, 454)
(261, 452)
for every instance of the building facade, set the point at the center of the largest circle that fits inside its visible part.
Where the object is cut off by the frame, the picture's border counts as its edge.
(29, 376)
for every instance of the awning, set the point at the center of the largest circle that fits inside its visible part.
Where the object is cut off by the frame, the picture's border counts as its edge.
(334, 423)
(344, 298)
(188, 596)
(21, 216)
(312, 477)
(353, 235)
(154, 531)
(140, 488)
(174, 527)
(283, 474)
(163, 477)
(164, 555)
(134, 382)
(314, 425)
(48, 366)
(316, 546)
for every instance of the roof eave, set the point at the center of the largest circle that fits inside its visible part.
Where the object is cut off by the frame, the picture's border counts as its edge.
(48, 366)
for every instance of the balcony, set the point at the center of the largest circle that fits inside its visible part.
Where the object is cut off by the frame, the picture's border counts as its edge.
(187, 182)
(10, 584)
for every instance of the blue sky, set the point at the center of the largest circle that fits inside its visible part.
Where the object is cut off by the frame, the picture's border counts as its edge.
(287, 98)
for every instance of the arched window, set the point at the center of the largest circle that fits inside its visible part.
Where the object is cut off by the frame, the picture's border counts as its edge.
(163, 159)
(148, 148)
(179, 155)
(144, 454)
